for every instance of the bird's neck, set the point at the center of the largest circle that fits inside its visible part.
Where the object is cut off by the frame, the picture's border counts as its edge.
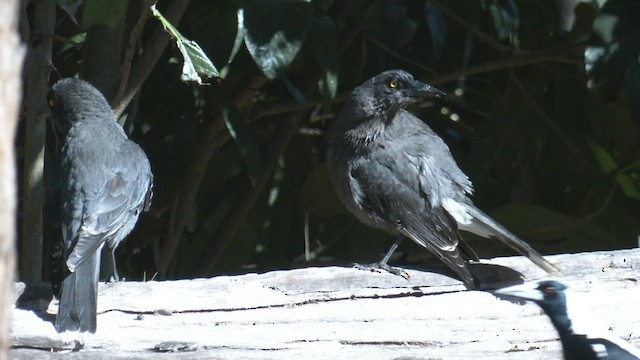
(368, 131)
(560, 320)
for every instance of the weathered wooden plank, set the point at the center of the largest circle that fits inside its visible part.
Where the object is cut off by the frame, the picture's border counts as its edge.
(343, 313)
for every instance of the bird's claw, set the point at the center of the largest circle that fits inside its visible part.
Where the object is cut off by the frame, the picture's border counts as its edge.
(380, 267)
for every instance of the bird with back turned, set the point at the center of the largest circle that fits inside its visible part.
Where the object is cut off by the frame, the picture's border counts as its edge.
(396, 174)
(97, 185)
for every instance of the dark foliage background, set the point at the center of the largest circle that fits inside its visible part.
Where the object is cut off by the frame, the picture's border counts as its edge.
(542, 114)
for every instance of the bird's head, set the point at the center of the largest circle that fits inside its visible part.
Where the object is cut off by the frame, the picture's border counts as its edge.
(548, 294)
(72, 100)
(547, 291)
(388, 92)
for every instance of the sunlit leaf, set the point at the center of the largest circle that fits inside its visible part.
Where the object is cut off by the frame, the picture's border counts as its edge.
(274, 31)
(237, 43)
(196, 62)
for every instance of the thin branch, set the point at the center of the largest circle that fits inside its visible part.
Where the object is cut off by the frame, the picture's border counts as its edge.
(213, 137)
(136, 32)
(399, 56)
(573, 148)
(150, 56)
(603, 207)
(550, 55)
(357, 27)
(470, 28)
(294, 106)
(237, 213)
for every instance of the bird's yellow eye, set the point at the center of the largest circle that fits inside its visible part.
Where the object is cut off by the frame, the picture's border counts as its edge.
(51, 102)
(393, 84)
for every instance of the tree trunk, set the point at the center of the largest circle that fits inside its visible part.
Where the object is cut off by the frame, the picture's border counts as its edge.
(11, 55)
(38, 71)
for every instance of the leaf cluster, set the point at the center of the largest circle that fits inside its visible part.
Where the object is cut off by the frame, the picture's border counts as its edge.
(541, 114)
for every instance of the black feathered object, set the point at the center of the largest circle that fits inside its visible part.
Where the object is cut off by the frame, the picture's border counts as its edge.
(394, 173)
(99, 183)
(550, 296)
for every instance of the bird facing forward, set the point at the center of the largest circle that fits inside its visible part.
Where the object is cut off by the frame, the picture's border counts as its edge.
(394, 173)
(98, 184)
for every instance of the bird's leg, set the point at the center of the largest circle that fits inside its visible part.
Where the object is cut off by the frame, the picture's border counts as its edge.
(382, 264)
(114, 275)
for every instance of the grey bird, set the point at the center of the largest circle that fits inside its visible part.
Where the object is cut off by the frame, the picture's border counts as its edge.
(97, 186)
(396, 174)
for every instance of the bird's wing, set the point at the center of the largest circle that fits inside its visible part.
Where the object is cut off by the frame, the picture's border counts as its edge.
(109, 208)
(382, 188)
(446, 186)
(613, 348)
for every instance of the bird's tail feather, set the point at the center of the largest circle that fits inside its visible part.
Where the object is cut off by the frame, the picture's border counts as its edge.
(452, 257)
(79, 297)
(488, 225)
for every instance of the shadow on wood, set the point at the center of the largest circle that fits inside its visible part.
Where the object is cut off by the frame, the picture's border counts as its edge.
(339, 313)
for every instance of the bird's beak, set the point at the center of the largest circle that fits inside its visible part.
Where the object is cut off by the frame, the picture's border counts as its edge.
(422, 90)
(526, 291)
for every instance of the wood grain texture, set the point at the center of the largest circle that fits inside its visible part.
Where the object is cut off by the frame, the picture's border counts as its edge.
(341, 313)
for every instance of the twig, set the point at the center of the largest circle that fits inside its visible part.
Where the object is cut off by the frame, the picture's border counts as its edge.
(293, 106)
(238, 212)
(552, 124)
(213, 137)
(150, 56)
(471, 28)
(552, 55)
(602, 207)
(399, 56)
(131, 48)
(357, 27)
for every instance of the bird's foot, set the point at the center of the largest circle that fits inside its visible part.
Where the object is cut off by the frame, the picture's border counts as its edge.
(114, 278)
(380, 267)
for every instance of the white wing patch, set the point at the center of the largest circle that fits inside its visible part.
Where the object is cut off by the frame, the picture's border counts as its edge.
(465, 220)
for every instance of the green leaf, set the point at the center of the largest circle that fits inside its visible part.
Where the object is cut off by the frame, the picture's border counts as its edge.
(236, 44)
(629, 185)
(244, 137)
(274, 31)
(103, 12)
(323, 41)
(606, 161)
(196, 62)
